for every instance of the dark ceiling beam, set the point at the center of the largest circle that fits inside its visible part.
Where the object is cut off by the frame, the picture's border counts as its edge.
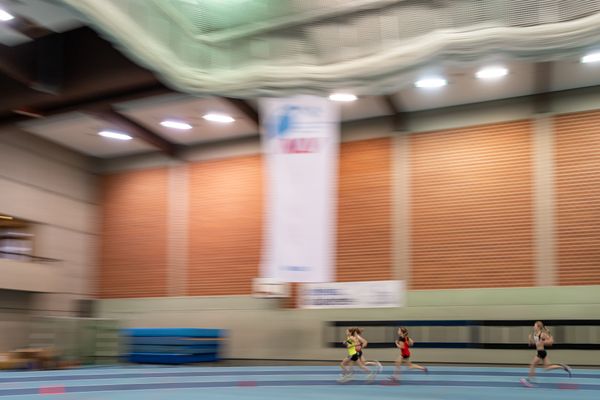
(88, 68)
(399, 117)
(245, 109)
(120, 122)
(96, 101)
(36, 65)
(542, 87)
(13, 67)
(103, 100)
(133, 128)
(28, 27)
(49, 64)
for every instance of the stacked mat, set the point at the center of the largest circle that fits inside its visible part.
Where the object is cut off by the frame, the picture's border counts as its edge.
(172, 345)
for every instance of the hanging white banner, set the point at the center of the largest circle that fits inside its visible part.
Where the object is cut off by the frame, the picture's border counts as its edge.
(373, 294)
(300, 139)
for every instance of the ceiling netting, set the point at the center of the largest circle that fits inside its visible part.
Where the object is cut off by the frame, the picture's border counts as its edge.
(249, 48)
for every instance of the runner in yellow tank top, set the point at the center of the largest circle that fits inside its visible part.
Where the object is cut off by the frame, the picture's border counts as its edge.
(351, 346)
(354, 345)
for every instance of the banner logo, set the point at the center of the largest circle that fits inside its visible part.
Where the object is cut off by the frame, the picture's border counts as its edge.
(289, 123)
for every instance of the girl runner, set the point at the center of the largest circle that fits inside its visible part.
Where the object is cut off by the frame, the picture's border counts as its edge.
(404, 343)
(354, 344)
(541, 338)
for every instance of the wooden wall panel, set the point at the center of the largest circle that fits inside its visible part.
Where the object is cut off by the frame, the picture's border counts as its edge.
(225, 226)
(472, 207)
(578, 197)
(133, 257)
(365, 222)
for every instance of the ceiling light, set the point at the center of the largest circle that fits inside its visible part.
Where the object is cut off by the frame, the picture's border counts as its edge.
(491, 72)
(429, 83)
(222, 118)
(342, 97)
(6, 217)
(4, 16)
(176, 124)
(591, 58)
(115, 135)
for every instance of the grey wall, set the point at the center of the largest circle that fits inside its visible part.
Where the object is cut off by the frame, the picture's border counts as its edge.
(55, 189)
(259, 329)
(15, 307)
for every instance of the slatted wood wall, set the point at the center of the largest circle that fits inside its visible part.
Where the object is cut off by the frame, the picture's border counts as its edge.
(133, 253)
(364, 232)
(471, 223)
(577, 165)
(472, 215)
(226, 216)
(225, 226)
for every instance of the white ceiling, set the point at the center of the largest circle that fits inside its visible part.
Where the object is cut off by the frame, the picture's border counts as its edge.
(365, 107)
(79, 132)
(150, 112)
(10, 37)
(52, 16)
(572, 74)
(464, 88)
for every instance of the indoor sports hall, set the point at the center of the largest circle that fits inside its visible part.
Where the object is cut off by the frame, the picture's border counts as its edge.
(291, 200)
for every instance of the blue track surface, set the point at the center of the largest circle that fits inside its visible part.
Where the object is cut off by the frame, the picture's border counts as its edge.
(291, 383)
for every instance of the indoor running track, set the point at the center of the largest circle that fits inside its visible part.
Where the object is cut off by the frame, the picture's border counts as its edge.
(291, 383)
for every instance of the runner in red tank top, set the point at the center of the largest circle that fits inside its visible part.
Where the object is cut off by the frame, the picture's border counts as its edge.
(405, 349)
(404, 343)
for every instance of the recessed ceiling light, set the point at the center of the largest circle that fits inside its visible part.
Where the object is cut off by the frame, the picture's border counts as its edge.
(115, 135)
(6, 217)
(342, 97)
(430, 83)
(5, 16)
(222, 118)
(591, 58)
(494, 72)
(176, 124)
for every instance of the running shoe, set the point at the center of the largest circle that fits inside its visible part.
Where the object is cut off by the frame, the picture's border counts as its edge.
(527, 382)
(567, 369)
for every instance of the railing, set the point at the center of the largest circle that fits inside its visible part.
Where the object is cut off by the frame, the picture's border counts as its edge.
(27, 256)
(87, 340)
(569, 334)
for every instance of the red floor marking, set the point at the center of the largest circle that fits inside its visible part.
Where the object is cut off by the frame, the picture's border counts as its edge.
(52, 390)
(247, 383)
(567, 386)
